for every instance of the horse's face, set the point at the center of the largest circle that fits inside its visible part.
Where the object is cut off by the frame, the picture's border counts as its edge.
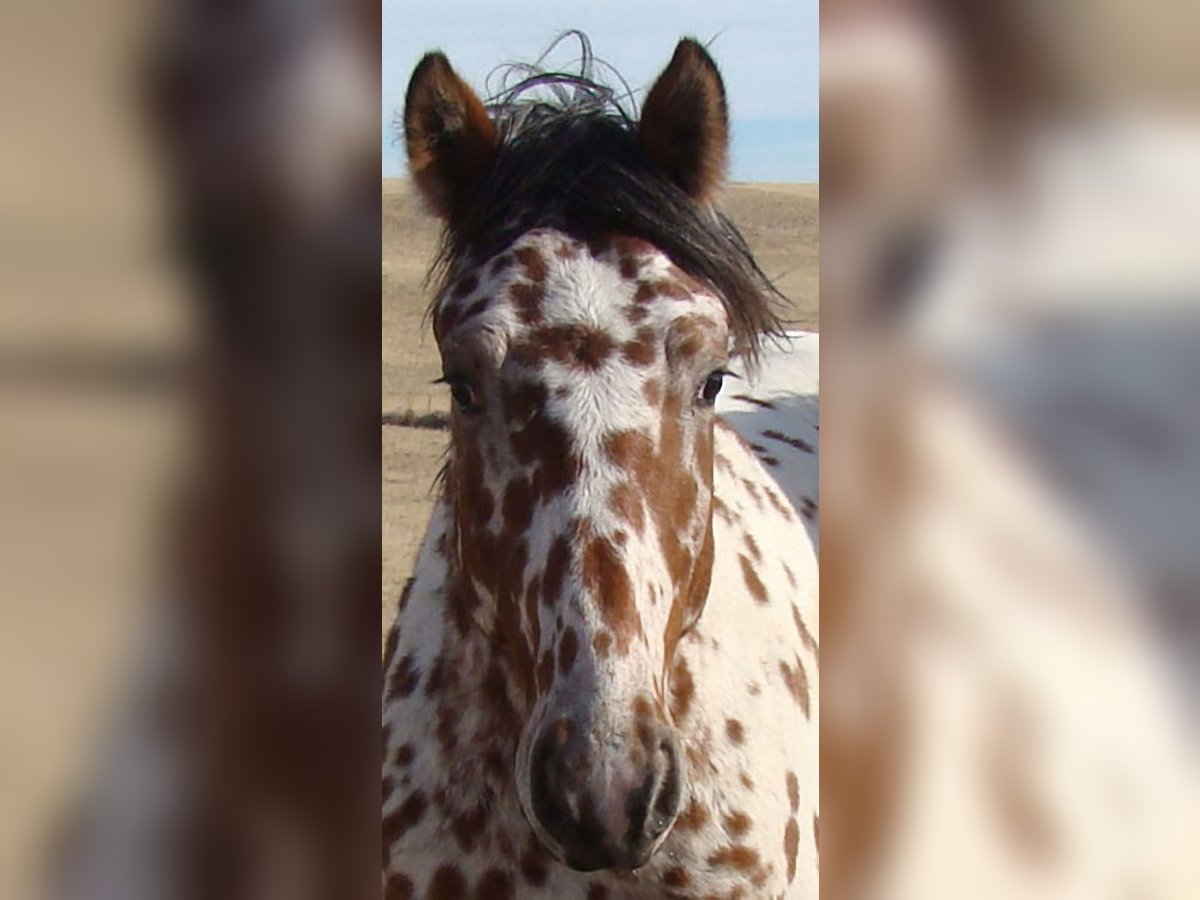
(581, 479)
(583, 377)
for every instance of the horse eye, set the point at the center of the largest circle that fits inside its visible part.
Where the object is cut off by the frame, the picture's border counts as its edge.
(462, 392)
(711, 387)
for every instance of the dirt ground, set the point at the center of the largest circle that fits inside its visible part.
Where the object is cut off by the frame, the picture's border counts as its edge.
(778, 220)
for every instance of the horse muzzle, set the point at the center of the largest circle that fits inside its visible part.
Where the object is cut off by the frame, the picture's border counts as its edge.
(608, 801)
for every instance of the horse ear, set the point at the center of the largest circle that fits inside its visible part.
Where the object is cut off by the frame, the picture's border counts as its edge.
(685, 126)
(449, 137)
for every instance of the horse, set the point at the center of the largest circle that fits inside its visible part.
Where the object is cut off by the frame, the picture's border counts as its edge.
(601, 681)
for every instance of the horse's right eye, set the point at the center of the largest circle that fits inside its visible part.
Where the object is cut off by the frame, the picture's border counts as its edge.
(707, 395)
(463, 393)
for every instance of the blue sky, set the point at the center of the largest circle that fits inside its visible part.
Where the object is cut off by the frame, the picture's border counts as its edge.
(766, 49)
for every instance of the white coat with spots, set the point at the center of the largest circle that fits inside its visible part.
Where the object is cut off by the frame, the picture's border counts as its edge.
(602, 679)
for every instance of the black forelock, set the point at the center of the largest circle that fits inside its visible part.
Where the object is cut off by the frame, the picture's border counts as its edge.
(571, 161)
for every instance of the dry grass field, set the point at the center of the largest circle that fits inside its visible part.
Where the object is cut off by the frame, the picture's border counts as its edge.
(778, 220)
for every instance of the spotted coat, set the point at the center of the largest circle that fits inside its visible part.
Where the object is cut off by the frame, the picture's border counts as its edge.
(602, 539)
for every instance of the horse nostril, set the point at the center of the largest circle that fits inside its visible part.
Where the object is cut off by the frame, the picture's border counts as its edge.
(670, 792)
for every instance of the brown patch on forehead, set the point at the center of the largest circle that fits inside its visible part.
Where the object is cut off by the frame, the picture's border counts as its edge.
(527, 299)
(643, 349)
(691, 336)
(532, 263)
(648, 291)
(575, 345)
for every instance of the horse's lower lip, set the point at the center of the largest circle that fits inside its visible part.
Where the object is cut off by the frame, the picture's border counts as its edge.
(621, 861)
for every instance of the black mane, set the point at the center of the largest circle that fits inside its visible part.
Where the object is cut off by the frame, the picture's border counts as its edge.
(569, 159)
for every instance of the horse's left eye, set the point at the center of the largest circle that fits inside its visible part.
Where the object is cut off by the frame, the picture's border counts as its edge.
(711, 387)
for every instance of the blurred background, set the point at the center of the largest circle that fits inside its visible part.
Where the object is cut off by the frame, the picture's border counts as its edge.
(1010, 585)
(189, 456)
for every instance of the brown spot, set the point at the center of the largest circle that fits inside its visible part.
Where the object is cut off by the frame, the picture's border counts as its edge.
(405, 817)
(683, 689)
(527, 299)
(495, 885)
(790, 576)
(753, 582)
(652, 391)
(782, 507)
(650, 290)
(736, 856)
(737, 823)
(398, 888)
(794, 442)
(468, 827)
(721, 508)
(405, 678)
(676, 878)
(405, 755)
(575, 345)
(752, 489)
(735, 731)
(533, 264)
(796, 680)
(568, 647)
(793, 791)
(808, 508)
(447, 884)
(626, 501)
(643, 349)
(791, 842)
(689, 336)
(602, 644)
(533, 863)
(752, 546)
(693, 818)
(597, 892)
(465, 286)
(805, 635)
(604, 576)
